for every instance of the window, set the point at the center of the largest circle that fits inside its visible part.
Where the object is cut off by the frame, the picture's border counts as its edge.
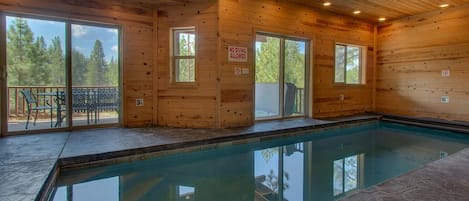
(185, 193)
(348, 64)
(183, 54)
(346, 174)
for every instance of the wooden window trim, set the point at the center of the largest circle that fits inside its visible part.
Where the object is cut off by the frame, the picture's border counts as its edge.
(174, 57)
(361, 66)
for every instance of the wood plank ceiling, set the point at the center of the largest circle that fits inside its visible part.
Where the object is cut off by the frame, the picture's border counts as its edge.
(370, 10)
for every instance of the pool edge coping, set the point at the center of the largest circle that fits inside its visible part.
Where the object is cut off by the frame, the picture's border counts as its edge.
(142, 153)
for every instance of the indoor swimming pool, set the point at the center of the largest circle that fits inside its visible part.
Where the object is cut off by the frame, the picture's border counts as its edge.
(314, 166)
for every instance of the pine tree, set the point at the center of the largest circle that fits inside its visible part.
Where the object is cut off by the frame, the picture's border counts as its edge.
(268, 61)
(353, 63)
(20, 46)
(294, 64)
(112, 74)
(56, 63)
(96, 68)
(40, 73)
(79, 62)
(186, 67)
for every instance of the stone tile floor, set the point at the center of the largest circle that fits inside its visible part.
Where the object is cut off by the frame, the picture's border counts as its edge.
(444, 180)
(26, 162)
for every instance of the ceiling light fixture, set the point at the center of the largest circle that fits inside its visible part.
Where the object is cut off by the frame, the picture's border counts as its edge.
(356, 12)
(382, 19)
(326, 3)
(444, 5)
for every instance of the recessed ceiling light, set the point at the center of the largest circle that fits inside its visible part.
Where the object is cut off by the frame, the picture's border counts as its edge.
(444, 5)
(382, 19)
(326, 3)
(356, 12)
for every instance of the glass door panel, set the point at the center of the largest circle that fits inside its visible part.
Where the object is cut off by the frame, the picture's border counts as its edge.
(95, 75)
(293, 175)
(36, 73)
(266, 173)
(267, 101)
(294, 78)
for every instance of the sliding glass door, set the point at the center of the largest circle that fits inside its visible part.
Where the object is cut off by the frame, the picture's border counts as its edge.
(45, 86)
(280, 76)
(36, 71)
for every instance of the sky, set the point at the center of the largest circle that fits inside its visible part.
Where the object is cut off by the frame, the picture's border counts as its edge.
(83, 36)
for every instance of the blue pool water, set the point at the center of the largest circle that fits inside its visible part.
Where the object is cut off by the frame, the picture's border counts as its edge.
(317, 166)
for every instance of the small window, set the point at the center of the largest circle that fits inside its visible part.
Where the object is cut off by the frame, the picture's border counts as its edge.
(346, 174)
(183, 54)
(348, 64)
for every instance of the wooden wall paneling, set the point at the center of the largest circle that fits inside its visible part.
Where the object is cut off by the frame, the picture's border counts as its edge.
(155, 67)
(136, 22)
(412, 52)
(189, 106)
(238, 22)
(374, 61)
(194, 112)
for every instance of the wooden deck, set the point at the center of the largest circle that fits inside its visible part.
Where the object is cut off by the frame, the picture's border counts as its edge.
(45, 123)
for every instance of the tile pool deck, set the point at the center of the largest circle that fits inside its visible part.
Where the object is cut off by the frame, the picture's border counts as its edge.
(28, 161)
(444, 179)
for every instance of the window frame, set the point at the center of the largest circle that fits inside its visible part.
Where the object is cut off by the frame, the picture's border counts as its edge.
(361, 64)
(307, 74)
(173, 57)
(360, 175)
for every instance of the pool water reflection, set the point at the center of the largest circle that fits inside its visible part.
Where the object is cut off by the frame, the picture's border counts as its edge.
(322, 166)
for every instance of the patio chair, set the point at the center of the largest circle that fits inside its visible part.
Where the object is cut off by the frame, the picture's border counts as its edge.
(107, 100)
(33, 105)
(290, 94)
(84, 101)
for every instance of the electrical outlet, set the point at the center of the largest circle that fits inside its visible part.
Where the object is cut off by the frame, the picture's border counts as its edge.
(237, 71)
(445, 73)
(444, 99)
(341, 97)
(139, 102)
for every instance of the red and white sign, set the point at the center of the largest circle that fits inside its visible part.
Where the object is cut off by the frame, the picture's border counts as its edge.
(237, 54)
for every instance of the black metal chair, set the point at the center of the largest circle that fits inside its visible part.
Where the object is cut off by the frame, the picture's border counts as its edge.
(107, 100)
(61, 107)
(290, 94)
(84, 101)
(33, 105)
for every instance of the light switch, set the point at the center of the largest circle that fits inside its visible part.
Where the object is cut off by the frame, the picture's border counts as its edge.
(245, 71)
(445, 99)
